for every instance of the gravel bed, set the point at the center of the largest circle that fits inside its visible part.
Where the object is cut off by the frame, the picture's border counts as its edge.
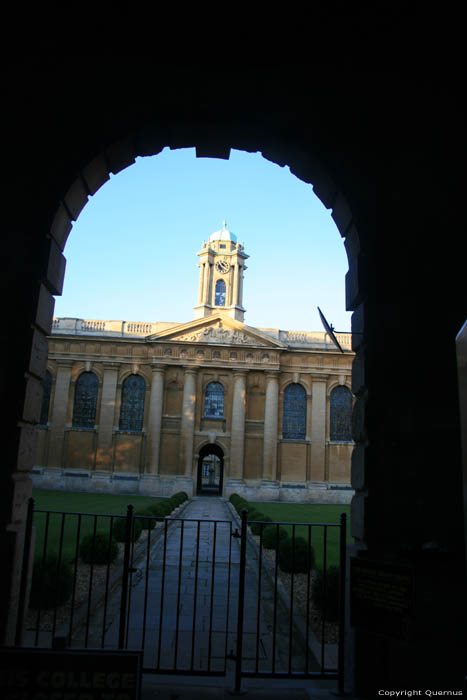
(300, 583)
(99, 575)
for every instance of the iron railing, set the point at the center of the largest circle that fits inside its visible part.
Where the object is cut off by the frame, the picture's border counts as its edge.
(191, 594)
(299, 645)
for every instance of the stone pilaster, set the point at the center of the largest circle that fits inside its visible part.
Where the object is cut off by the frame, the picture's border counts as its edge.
(238, 425)
(155, 417)
(318, 429)
(207, 284)
(240, 287)
(201, 283)
(235, 284)
(59, 413)
(188, 421)
(270, 426)
(107, 416)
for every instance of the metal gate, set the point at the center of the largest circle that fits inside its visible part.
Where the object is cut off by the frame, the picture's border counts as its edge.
(197, 597)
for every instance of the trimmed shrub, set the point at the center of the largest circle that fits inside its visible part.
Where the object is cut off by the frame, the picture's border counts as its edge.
(272, 538)
(240, 505)
(50, 586)
(173, 502)
(300, 561)
(99, 549)
(160, 509)
(180, 497)
(166, 506)
(253, 514)
(119, 529)
(255, 526)
(238, 502)
(327, 603)
(147, 523)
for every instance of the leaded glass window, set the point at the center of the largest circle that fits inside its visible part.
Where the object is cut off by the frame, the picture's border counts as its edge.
(84, 409)
(341, 414)
(132, 408)
(294, 413)
(219, 299)
(46, 385)
(214, 401)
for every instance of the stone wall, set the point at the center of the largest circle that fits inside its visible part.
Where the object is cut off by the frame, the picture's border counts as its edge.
(175, 427)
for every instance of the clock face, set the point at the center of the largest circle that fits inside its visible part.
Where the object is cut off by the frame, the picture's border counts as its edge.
(222, 266)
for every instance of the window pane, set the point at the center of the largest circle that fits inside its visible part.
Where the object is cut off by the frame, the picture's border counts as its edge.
(214, 401)
(220, 293)
(341, 414)
(84, 411)
(294, 413)
(132, 409)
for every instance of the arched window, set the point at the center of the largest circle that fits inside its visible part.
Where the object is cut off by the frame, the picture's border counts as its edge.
(84, 409)
(132, 408)
(46, 385)
(294, 413)
(341, 414)
(219, 299)
(214, 401)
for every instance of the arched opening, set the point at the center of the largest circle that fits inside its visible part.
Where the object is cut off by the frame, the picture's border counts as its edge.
(210, 471)
(210, 463)
(274, 220)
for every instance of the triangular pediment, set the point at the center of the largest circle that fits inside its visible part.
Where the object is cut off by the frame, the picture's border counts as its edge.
(216, 329)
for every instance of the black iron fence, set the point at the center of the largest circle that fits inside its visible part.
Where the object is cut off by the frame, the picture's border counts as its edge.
(193, 595)
(300, 594)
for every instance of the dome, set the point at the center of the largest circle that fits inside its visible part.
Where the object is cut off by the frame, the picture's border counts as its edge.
(223, 235)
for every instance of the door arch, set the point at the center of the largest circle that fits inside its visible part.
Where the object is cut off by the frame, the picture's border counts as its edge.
(210, 471)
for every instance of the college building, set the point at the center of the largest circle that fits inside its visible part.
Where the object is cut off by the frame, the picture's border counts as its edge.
(210, 406)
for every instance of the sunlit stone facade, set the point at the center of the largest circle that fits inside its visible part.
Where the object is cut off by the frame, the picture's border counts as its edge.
(208, 406)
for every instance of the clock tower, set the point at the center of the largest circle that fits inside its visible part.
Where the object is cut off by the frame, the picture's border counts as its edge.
(221, 266)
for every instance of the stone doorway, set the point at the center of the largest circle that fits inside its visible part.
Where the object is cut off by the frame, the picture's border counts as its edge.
(210, 471)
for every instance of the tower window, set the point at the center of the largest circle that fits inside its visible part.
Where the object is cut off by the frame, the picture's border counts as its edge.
(219, 299)
(341, 414)
(214, 401)
(294, 413)
(132, 409)
(221, 245)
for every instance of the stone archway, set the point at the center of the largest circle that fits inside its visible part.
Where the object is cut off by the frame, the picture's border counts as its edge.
(210, 475)
(401, 195)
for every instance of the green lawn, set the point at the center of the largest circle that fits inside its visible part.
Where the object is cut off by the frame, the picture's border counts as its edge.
(75, 502)
(310, 513)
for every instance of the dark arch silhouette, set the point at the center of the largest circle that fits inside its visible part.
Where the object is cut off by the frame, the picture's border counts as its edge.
(210, 471)
(385, 154)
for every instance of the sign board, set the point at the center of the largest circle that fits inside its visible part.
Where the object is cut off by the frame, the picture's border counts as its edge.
(381, 597)
(92, 674)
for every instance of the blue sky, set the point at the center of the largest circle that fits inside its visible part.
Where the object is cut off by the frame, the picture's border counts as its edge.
(131, 255)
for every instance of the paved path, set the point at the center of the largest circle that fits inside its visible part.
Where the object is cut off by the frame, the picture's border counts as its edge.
(186, 619)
